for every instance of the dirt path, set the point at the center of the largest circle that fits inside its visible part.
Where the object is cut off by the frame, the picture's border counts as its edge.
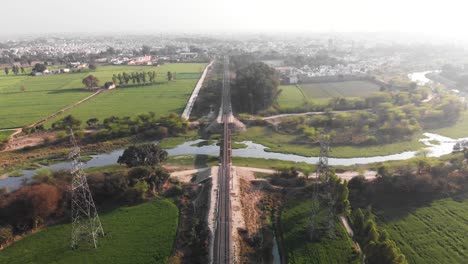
(348, 175)
(186, 176)
(276, 118)
(212, 213)
(349, 230)
(347, 226)
(17, 131)
(196, 90)
(66, 108)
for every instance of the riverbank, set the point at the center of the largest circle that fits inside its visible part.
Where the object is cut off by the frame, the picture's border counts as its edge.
(289, 144)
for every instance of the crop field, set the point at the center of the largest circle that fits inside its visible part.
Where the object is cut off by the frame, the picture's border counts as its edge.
(300, 248)
(26, 99)
(342, 89)
(161, 99)
(319, 93)
(290, 97)
(436, 233)
(139, 234)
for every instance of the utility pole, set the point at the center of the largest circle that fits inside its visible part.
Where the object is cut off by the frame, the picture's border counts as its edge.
(86, 225)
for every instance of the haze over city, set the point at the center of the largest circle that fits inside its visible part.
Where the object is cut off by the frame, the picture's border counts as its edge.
(431, 18)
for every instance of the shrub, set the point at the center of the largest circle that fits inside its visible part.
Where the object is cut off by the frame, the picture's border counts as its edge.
(6, 234)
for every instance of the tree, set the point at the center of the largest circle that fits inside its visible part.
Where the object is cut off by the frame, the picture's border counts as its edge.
(145, 50)
(92, 122)
(92, 66)
(32, 205)
(15, 69)
(39, 67)
(67, 123)
(121, 79)
(22, 70)
(154, 176)
(169, 76)
(143, 155)
(114, 78)
(91, 81)
(7, 70)
(255, 88)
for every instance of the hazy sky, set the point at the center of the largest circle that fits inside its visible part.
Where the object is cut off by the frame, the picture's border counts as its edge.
(446, 18)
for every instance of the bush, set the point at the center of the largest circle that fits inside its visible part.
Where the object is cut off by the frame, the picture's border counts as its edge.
(173, 191)
(6, 234)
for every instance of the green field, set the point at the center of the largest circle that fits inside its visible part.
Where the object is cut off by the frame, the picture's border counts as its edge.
(291, 96)
(45, 95)
(295, 220)
(291, 144)
(436, 233)
(4, 135)
(320, 93)
(159, 98)
(339, 89)
(139, 234)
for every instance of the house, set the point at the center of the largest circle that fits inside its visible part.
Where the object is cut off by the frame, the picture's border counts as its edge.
(109, 85)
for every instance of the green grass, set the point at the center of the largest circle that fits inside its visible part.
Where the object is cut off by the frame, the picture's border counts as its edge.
(139, 234)
(192, 161)
(291, 144)
(342, 89)
(459, 130)
(270, 163)
(293, 96)
(290, 97)
(172, 142)
(107, 168)
(45, 95)
(296, 220)
(159, 98)
(436, 233)
(5, 135)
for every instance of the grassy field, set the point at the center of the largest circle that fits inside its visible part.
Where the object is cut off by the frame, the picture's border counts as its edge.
(295, 220)
(320, 93)
(159, 98)
(291, 144)
(44, 95)
(436, 233)
(291, 96)
(459, 130)
(139, 234)
(341, 89)
(4, 135)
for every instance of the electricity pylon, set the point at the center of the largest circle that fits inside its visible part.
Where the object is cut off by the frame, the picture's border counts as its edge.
(86, 225)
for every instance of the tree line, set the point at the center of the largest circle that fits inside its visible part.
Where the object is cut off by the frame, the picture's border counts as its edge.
(145, 125)
(135, 77)
(15, 69)
(375, 242)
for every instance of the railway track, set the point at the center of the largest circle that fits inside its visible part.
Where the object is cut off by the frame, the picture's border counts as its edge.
(223, 239)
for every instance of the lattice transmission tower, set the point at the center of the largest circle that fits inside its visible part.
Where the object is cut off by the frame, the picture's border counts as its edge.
(322, 165)
(86, 225)
(322, 173)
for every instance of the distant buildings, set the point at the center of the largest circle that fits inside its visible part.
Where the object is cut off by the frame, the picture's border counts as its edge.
(145, 60)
